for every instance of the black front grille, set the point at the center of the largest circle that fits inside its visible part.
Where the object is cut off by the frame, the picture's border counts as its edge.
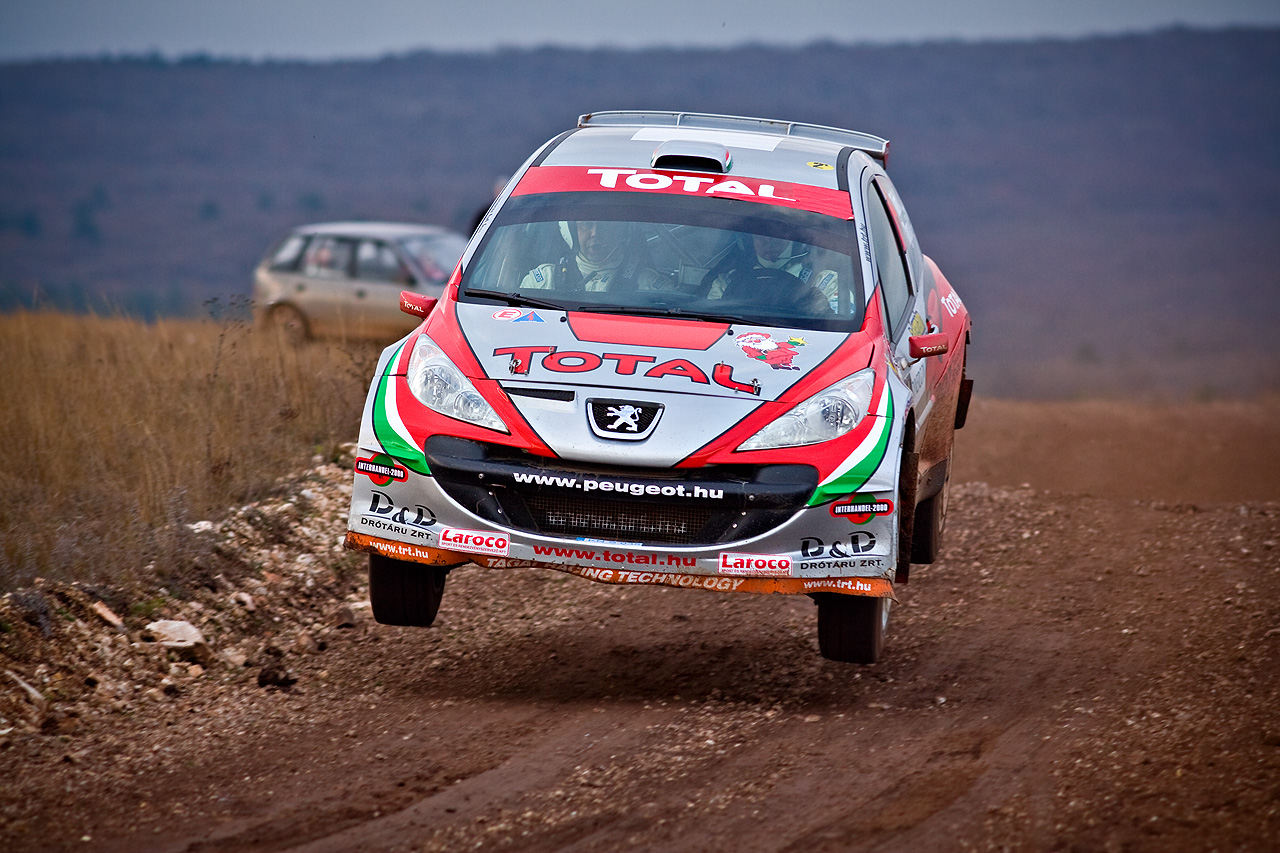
(618, 520)
(539, 393)
(696, 506)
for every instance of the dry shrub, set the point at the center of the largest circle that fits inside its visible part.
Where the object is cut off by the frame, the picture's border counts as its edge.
(117, 433)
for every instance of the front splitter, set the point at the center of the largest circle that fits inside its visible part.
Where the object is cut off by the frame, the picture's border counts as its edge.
(874, 587)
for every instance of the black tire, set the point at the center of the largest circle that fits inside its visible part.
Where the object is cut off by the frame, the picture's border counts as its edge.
(908, 482)
(851, 627)
(930, 521)
(405, 593)
(289, 323)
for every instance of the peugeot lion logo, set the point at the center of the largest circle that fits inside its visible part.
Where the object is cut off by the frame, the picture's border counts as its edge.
(627, 420)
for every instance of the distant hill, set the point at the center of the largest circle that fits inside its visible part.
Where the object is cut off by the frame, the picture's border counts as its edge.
(1108, 207)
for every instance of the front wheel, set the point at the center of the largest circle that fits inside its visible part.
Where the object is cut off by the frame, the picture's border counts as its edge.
(289, 324)
(404, 593)
(851, 627)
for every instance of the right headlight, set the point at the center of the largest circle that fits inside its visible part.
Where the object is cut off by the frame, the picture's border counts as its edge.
(440, 386)
(829, 414)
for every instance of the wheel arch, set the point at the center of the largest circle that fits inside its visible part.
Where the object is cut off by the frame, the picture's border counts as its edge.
(271, 311)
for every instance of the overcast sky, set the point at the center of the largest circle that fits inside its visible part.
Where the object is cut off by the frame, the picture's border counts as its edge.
(332, 29)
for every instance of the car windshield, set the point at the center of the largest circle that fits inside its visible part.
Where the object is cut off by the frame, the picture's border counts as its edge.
(436, 255)
(657, 255)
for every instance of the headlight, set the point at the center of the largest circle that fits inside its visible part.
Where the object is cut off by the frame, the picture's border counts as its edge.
(828, 414)
(440, 386)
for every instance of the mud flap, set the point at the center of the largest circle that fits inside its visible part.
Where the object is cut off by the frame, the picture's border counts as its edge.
(907, 483)
(962, 404)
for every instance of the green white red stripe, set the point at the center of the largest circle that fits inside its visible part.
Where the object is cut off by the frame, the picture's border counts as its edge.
(389, 428)
(852, 474)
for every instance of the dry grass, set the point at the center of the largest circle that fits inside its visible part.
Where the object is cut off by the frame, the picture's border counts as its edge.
(117, 433)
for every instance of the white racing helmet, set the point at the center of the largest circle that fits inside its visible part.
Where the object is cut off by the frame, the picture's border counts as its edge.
(569, 233)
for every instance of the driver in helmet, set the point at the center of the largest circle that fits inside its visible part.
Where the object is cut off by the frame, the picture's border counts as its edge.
(602, 259)
(783, 255)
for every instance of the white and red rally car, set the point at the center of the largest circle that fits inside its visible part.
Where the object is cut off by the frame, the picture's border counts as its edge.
(685, 349)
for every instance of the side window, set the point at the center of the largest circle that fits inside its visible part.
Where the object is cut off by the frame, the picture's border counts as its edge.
(286, 255)
(915, 261)
(889, 262)
(327, 257)
(375, 261)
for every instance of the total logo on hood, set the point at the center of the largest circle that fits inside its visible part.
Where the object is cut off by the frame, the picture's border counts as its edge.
(661, 355)
(554, 361)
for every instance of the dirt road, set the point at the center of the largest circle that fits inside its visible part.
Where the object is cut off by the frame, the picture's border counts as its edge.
(1091, 666)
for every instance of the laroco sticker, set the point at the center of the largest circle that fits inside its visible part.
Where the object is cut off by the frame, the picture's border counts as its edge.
(755, 565)
(474, 541)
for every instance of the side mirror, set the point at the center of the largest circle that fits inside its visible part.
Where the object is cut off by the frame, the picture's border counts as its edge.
(416, 304)
(923, 346)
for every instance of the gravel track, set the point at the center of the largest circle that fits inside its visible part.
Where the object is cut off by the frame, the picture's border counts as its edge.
(1084, 669)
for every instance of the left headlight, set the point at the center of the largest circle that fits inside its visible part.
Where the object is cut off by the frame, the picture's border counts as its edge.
(829, 414)
(439, 385)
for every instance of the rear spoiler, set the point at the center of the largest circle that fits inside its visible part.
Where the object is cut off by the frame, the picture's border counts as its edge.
(874, 146)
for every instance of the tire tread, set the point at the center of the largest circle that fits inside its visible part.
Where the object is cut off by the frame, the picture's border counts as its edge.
(404, 593)
(850, 627)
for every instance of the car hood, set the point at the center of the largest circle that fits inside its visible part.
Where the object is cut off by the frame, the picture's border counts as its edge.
(701, 377)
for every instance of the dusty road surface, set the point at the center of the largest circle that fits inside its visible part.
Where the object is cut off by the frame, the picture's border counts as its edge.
(1093, 665)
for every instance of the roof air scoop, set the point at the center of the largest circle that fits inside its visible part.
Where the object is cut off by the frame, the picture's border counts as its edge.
(691, 155)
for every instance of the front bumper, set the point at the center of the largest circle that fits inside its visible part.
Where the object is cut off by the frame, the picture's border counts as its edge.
(776, 545)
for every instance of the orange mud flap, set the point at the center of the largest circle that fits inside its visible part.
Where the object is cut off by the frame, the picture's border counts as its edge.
(402, 551)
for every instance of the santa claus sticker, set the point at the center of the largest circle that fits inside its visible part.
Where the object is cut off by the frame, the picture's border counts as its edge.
(776, 354)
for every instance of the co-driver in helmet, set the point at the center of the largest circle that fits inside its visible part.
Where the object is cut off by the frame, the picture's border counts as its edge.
(774, 270)
(603, 258)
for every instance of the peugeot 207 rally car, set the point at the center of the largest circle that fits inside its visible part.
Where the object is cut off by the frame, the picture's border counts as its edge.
(693, 350)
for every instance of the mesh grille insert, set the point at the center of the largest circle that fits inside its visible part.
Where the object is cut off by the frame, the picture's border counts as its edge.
(626, 521)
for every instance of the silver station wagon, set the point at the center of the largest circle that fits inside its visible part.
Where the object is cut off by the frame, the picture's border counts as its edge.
(343, 279)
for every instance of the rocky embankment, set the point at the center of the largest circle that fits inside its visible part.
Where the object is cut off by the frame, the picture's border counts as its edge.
(265, 586)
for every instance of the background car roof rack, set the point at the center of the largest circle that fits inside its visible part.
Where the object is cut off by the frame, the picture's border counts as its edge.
(875, 146)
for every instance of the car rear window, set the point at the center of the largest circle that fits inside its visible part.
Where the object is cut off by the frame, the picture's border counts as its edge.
(286, 255)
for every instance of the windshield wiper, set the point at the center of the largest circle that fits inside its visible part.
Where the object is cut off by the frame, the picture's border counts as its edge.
(515, 299)
(656, 311)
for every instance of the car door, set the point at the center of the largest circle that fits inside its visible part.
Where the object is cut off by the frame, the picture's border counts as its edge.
(932, 404)
(898, 291)
(323, 291)
(380, 275)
